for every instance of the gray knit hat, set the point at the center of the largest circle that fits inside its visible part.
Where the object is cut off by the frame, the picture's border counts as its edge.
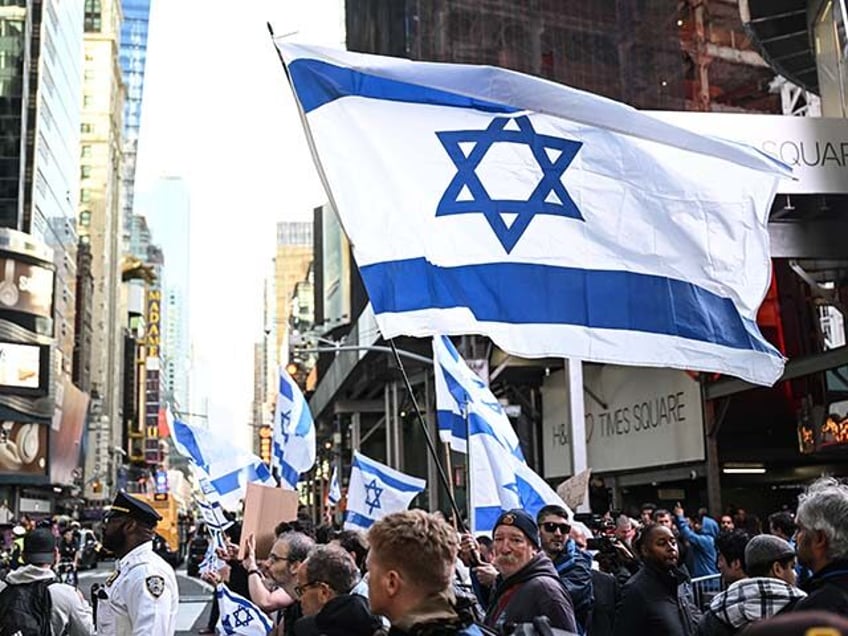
(765, 549)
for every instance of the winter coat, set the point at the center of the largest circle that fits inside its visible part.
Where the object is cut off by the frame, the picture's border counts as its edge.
(535, 590)
(344, 615)
(745, 602)
(68, 608)
(703, 549)
(607, 594)
(657, 602)
(575, 571)
(828, 589)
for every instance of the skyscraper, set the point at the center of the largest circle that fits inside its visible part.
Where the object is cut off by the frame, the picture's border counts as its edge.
(291, 264)
(136, 16)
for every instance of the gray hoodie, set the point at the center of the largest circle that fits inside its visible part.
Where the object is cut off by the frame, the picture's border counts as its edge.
(71, 614)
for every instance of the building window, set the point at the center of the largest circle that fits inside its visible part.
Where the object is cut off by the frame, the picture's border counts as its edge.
(85, 152)
(85, 218)
(85, 172)
(88, 74)
(86, 128)
(85, 195)
(92, 20)
(86, 101)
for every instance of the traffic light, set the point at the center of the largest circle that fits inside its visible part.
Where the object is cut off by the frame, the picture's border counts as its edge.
(265, 444)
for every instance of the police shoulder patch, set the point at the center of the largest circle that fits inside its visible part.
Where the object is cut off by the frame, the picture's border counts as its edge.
(155, 585)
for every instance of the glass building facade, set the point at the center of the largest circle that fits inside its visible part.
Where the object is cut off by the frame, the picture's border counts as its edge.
(831, 50)
(133, 54)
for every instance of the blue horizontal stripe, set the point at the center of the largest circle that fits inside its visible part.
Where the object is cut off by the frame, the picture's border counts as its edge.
(317, 83)
(289, 474)
(453, 422)
(388, 480)
(358, 520)
(525, 293)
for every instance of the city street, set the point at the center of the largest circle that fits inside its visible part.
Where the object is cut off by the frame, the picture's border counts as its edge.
(195, 596)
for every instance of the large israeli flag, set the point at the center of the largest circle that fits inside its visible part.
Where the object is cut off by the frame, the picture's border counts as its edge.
(228, 469)
(240, 616)
(554, 221)
(463, 400)
(293, 447)
(376, 490)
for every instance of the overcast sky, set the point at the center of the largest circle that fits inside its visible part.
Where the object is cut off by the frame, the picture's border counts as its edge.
(217, 111)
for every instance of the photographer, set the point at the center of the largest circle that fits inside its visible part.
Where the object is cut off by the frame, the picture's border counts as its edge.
(613, 556)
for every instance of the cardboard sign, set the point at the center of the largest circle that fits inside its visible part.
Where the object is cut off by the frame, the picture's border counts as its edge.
(264, 508)
(573, 490)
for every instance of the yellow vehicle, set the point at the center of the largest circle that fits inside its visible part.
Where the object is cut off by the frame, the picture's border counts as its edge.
(168, 528)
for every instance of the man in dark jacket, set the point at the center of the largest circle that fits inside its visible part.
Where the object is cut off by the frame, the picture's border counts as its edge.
(572, 564)
(324, 584)
(822, 545)
(528, 585)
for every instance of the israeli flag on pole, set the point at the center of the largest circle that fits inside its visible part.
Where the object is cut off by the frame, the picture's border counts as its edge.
(211, 562)
(375, 490)
(556, 222)
(213, 515)
(227, 469)
(463, 397)
(334, 496)
(239, 615)
(500, 478)
(293, 448)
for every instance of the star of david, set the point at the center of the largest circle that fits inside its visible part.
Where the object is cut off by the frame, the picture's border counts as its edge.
(466, 195)
(285, 422)
(372, 501)
(242, 617)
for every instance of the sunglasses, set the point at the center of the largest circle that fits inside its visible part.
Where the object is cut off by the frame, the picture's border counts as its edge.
(551, 526)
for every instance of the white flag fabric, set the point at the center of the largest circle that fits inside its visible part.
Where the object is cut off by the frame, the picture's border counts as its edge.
(293, 446)
(376, 490)
(239, 615)
(213, 514)
(555, 222)
(500, 477)
(461, 396)
(334, 496)
(227, 468)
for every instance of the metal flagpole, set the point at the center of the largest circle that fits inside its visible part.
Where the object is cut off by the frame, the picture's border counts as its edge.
(430, 445)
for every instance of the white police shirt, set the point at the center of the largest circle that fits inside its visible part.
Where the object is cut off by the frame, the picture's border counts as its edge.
(142, 597)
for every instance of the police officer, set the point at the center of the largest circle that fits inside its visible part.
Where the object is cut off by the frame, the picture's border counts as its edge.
(141, 595)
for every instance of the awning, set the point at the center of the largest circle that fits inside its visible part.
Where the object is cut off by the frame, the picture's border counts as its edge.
(780, 31)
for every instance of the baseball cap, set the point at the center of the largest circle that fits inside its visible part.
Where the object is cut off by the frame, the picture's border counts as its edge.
(765, 549)
(39, 545)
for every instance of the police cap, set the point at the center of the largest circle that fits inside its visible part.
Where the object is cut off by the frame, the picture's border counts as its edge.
(125, 505)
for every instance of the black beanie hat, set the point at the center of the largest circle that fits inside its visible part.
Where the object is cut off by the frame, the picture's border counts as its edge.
(521, 520)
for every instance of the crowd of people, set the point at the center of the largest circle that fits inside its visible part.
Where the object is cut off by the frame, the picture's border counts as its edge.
(414, 573)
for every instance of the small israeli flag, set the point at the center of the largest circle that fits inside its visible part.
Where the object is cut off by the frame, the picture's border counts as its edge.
(211, 562)
(463, 400)
(375, 490)
(239, 615)
(293, 447)
(213, 515)
(334, 496)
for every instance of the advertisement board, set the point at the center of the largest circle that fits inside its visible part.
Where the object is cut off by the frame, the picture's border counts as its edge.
(335, 252)
(66, 438)
(815, 147)
(642, 418)
(26, 288)
(23, 448)
(24, 368)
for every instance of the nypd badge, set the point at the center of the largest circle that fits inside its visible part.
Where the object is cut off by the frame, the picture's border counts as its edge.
(155, 585)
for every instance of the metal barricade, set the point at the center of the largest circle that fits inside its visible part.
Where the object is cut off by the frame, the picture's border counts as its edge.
(704, 588)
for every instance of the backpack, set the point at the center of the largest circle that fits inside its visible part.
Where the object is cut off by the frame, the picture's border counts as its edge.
(26, 609)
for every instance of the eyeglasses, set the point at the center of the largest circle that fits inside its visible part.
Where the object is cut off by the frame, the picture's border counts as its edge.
(300, 589)
(552, 526)
(273, 558)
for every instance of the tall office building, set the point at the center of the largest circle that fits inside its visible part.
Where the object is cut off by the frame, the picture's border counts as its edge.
(101, 228)
(291, 264)
(168, 209)
(136, 15)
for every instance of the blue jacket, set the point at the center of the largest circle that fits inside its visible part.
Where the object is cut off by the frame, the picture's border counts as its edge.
(703, 548)
(575, 571)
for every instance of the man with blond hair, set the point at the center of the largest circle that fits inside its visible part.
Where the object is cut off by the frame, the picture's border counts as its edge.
(410, 570)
